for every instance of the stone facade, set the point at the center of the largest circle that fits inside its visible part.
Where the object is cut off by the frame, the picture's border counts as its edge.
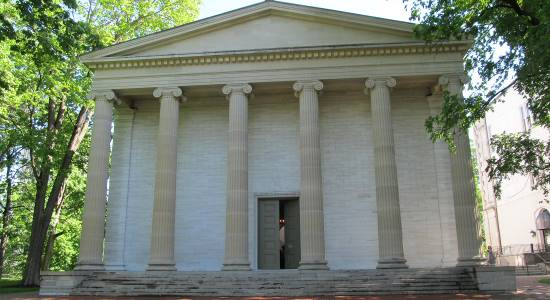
(277, 100)
(350, 206)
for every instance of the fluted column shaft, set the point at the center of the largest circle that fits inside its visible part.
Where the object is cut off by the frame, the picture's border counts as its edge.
(312, 232)
(390, 239)
(162, 234)
(467, 227)
(236, 226)
(93, 220)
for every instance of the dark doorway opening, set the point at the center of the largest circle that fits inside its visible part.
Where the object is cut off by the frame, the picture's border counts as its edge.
(278, 233)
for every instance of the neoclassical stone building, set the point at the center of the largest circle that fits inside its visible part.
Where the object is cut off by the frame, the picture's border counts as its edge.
(276, 136)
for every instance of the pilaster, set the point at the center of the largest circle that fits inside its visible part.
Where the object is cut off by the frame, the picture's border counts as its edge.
(119, 179)
(443, 182)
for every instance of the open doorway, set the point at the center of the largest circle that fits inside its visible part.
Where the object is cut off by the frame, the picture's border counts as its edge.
(278, 233)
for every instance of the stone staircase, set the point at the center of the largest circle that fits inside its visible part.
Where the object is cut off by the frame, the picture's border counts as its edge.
(528, 270)
(279, 283)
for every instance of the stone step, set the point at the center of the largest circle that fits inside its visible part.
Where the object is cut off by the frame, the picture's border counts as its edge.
(279, 283)
(531, 270)
(291, 283)
(368, 284)
(283, 279)
(245, 285)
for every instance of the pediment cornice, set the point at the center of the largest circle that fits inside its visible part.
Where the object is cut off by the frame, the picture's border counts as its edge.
(278, 54)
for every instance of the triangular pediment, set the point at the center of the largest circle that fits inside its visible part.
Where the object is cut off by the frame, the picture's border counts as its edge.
(267, 25)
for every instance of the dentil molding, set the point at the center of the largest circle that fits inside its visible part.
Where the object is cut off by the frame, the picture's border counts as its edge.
(282, 54)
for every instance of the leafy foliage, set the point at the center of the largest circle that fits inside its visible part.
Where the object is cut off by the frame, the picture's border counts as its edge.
(44, 113)
(120, 20)
(510, 49)
(479, 203)
(521, 154)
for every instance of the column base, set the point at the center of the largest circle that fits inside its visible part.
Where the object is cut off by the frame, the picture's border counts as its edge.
(115, 268)
(313, 265)
(469, 261)
(161, 267)
(89, 267)
(236, 267)
(392, 263)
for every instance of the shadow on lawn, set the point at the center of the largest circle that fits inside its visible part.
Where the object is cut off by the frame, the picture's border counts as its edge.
(9, 286)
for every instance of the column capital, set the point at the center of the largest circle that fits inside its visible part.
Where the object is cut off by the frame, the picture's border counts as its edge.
(104, 95)
(373, 82)
(301, 85)
(168, 92)
(244, 88)
(454, 78)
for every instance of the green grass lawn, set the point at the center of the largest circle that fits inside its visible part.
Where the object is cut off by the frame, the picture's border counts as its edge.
(545, 280)
(8, 286)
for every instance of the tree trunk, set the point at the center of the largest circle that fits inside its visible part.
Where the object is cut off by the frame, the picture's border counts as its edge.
(48, 253)
(49, 249)
(43, 209)
(7, 213)
(36, 246)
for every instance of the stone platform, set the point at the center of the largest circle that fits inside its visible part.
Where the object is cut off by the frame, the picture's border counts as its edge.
(280, 282)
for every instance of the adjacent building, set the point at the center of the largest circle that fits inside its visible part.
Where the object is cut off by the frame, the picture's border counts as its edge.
(518, 222)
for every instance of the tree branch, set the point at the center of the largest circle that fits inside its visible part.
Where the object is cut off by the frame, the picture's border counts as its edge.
(79, 131)
(51, 114)
(18, 206)
(513, 4)
(32, 157)
(495, 95)
(60, 114)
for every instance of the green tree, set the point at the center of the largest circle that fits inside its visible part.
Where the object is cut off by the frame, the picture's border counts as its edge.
(520, 29)
(120, 20)
(45, 113)
(6, 206)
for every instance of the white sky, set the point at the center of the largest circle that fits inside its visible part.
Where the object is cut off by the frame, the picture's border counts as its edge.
(389, 9)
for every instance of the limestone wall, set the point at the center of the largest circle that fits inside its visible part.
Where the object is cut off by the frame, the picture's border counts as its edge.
(348, 179)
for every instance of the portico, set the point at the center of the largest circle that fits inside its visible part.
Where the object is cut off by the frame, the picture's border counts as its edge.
(276, 101)
(378, 92)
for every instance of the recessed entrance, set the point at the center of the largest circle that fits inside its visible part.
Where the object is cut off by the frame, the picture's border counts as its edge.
(278, 233)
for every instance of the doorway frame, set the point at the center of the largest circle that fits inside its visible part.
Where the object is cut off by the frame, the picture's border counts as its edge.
(259, 197)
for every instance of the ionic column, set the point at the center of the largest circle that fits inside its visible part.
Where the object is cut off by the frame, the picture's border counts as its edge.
(236, 226)
(93, 221)
(390, 238)
(162, 235)
(312, 232)
(467, 227)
